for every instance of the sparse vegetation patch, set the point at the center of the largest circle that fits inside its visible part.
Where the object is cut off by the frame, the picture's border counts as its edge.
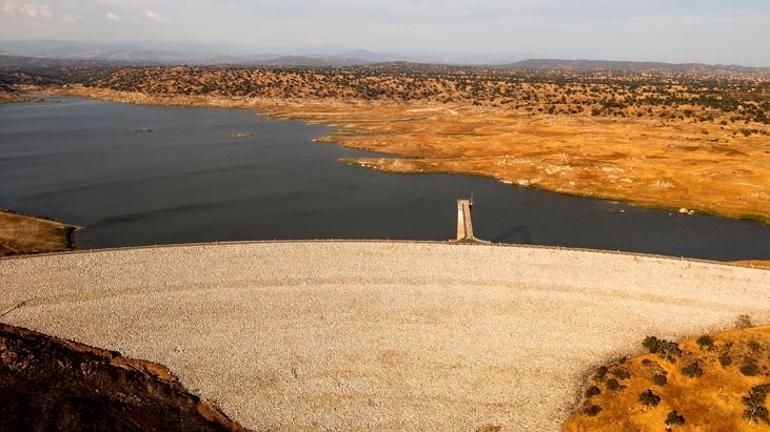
(717, 382)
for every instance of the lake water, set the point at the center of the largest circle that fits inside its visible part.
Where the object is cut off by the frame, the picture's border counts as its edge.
(188, 180)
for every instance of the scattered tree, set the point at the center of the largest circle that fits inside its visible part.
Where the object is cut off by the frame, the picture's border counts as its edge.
(744, 321)
(593, 410)
(756, 409)
(725, 359)
(706, 342)
(750, 368)
(693, 370)
(663, 348)
(613, 384)
(648, 398)
(593, 391)
(674, 419)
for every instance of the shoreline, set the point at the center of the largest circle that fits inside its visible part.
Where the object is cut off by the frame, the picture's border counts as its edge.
(359, 136)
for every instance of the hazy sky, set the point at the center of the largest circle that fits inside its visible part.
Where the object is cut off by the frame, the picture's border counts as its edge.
(713, 31)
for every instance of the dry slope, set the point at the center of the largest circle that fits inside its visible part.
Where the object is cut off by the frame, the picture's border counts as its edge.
(714, 382)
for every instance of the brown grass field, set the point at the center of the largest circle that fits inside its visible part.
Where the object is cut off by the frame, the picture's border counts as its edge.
(716, 382)
(20, 234)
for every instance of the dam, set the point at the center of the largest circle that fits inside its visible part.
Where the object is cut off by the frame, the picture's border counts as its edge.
(333, 334)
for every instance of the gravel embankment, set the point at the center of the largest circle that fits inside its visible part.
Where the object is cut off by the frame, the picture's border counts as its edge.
(377, 335)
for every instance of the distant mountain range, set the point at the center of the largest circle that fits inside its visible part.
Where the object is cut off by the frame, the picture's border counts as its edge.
(187, 53)
(38, 53)
(634, 66)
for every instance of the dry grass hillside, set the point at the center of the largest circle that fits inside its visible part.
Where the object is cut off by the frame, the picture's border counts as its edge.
(714, 382)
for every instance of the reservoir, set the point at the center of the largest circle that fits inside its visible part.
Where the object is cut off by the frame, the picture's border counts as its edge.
(144, 175)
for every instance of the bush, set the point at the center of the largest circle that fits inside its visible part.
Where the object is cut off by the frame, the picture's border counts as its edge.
(601, 372)
(692, 370)
(663, 348)
(648, 398)
(755, 404)
(673, 418)
(621, 373)
(705, 342)
(593, 391)
(593, 410)
(744, 321)
(660, 380)
(750, 368)
(613, 384)
(725, 359)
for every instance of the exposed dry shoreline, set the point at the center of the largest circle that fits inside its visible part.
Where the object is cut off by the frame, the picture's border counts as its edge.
(673, 165)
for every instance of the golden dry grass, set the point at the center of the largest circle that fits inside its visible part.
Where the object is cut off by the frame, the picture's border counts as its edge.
(649, 162)
(754, 263)
(20, 234)
(712, 401)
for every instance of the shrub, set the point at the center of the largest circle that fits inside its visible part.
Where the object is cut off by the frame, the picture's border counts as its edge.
(660, 380)
(705, 342)
(692, 370)
(593, 410)
(754, 346)
(750, 368)
(601, 372)
(663, 348)
(592, 391)
(613, 384)
(755, 404)
(725, 359)
(621, 373)
(744, 321)
(648, 398)
(673, 418)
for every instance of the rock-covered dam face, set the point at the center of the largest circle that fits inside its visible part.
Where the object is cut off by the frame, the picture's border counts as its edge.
(377, 335)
